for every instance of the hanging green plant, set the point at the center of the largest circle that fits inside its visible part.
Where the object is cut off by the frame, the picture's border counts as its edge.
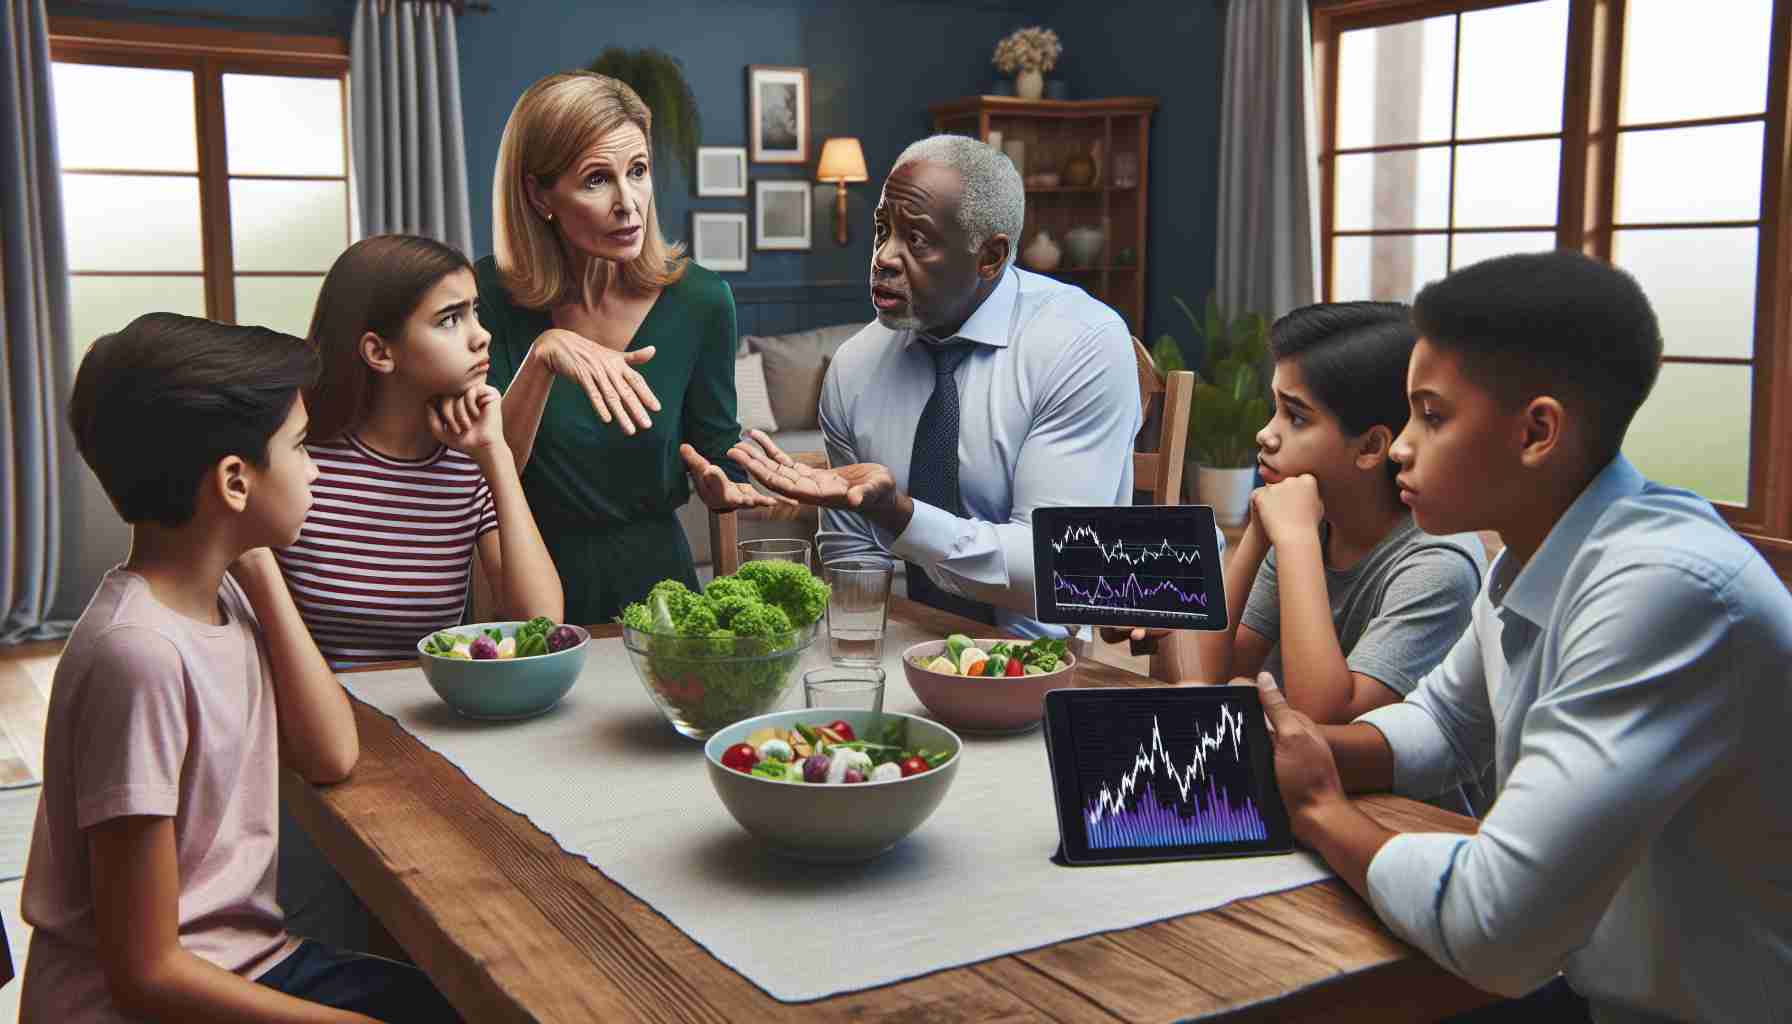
(658, 78)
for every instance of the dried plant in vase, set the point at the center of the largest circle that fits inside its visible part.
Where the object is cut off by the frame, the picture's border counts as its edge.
(1027, 54)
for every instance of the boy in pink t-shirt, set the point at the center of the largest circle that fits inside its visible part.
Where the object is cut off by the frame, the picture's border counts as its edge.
(189, 678)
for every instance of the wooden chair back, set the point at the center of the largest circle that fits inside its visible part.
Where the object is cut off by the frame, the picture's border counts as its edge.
(1162, 446)
(724, 527)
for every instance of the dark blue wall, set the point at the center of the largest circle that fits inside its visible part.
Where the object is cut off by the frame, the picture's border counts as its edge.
(301, 17)
(1171, 51)
(873, 70)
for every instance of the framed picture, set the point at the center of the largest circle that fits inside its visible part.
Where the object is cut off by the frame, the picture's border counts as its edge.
(719, 240)
(781, 214)
(721, 170)
(778, 114)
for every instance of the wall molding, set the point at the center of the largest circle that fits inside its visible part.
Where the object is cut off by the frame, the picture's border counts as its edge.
(804, 292)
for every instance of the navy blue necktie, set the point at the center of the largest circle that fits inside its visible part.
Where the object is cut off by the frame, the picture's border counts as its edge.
(933, 471)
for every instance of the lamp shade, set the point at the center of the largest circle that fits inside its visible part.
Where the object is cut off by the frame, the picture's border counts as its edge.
(841, 160)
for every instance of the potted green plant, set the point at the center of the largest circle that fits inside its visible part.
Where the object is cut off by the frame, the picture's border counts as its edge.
(658, 79)
(1231, 405)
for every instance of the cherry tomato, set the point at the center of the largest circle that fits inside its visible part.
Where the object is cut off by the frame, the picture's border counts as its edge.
(845, 731)
(1015, 668)
(913, 766)
(741, 757)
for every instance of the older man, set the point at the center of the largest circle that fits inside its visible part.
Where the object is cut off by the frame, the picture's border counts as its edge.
(981, 393)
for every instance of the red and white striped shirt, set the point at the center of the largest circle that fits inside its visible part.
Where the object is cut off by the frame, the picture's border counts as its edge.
(385, 556)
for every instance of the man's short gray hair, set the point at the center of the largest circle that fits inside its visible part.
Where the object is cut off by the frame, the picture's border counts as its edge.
(994, 201)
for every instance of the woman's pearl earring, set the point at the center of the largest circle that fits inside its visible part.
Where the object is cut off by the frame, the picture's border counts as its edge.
(550, 216)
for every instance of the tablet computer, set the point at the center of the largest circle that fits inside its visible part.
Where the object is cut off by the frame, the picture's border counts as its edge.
(1140, 565)
(1163, 773)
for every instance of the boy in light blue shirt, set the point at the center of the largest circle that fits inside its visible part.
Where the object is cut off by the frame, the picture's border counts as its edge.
(1624, 673)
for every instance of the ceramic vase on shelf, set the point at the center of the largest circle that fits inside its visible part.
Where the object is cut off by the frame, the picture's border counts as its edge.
(1084, 245)
(1016, 150)
(1029, 84)
(1079, 171)
(1041, 254)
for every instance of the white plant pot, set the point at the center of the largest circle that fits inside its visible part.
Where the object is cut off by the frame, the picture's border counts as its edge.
(1227, 490)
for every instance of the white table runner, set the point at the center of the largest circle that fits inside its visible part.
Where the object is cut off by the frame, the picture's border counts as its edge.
(606, 776)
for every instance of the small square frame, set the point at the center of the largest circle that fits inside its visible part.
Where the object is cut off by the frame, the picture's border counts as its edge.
(707, 228)
(768, 193)
(721, 170)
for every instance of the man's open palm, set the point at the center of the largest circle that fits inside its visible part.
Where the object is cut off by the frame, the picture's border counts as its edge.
(849, 487)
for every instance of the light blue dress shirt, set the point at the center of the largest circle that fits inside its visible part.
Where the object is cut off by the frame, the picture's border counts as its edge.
(1048, 412)
(1630, 687)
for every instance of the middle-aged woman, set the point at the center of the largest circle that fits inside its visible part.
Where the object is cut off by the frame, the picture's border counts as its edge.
(614, 351)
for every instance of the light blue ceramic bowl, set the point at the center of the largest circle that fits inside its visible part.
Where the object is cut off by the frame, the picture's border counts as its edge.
(505, 688)
(839, 824)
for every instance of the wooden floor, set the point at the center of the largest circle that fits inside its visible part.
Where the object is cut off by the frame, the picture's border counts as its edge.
(25, 671)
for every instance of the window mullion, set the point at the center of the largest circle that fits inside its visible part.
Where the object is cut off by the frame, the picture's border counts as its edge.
(214, 194)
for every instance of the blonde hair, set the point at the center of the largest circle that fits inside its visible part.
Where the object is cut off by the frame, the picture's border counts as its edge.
(553, 122)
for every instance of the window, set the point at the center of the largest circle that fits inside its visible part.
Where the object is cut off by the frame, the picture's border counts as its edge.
(204, 172)
(1650, 133)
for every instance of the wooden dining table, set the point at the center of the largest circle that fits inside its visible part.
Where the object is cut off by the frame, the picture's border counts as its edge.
(512, 928)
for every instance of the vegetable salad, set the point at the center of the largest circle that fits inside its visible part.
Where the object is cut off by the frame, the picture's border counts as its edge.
(725, 654)
(831, 755)
(537, 636)
(962, 657)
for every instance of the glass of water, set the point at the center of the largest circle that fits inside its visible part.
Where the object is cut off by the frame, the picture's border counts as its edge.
(774, 549)
(859, 687)
(858, 609)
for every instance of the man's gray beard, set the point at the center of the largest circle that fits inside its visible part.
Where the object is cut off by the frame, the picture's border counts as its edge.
(898, 323)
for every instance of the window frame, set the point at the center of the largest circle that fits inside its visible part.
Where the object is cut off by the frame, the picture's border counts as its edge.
(210, 54)
(1586, 194)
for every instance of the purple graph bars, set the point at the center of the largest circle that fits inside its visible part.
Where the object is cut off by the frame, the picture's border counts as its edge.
(1182, 819)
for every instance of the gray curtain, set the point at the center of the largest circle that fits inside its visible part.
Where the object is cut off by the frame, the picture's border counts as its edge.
(408, 148)
(1267, 256)
(38, 465)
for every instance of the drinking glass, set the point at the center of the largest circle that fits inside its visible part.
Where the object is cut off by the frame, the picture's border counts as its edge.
(858, 609)
(856, 687)
(776, 549)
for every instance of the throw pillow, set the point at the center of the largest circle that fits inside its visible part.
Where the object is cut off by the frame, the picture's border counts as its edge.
(752, 405)
(795, 365)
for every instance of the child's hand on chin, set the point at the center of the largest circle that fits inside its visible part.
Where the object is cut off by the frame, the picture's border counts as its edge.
(253, 561)
(1288, 507)
(471, 422)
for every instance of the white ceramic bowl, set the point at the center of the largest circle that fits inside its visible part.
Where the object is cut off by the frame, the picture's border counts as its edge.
(837, 824)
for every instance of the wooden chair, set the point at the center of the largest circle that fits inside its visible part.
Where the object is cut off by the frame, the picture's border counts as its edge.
(724, 527)
(1167, 400)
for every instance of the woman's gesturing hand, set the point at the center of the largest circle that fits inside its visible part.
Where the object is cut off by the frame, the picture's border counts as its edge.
(617, 390)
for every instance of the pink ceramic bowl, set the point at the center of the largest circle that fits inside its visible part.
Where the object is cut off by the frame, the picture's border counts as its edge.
(979, 704)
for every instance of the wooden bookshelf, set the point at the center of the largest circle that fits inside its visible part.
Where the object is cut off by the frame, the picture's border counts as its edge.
(1053, 132)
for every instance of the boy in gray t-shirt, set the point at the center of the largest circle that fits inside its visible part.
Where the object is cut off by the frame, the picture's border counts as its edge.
(1396, 612)
(1333, 589)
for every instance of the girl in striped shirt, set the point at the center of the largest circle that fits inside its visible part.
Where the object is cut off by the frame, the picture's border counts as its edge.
(415, 487)
(415, 481)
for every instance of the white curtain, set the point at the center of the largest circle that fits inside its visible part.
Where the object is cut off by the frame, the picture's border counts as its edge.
(408, 146)
(38, 463)
(1267, 254)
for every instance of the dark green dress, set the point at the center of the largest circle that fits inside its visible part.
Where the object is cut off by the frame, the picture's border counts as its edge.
(606, 502)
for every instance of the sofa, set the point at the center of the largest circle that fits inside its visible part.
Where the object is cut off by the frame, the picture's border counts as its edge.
(778, 389)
